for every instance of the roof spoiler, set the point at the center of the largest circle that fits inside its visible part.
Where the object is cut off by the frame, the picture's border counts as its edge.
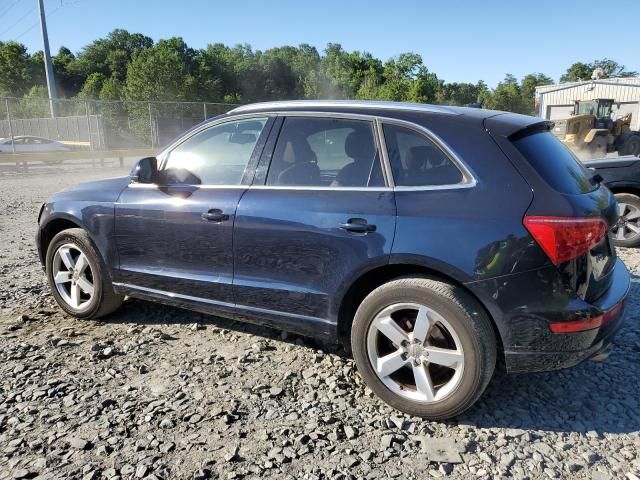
(538, 127)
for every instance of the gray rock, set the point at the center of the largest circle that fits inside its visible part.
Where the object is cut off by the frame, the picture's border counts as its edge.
(141, 470)
(387, 441)
(441, 450)
(350, 432)
(232, 456)
(445, 468)
(22, 473)
(79, 443)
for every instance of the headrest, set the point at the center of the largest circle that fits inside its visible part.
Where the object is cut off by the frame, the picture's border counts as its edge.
(297, 150)
(359, 145)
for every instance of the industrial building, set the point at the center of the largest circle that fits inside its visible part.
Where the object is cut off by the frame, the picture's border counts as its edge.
(555, 102)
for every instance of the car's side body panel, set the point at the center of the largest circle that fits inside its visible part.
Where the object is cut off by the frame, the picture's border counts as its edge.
(89, 205)
(618, 174)
(165, 244)
(291, 255)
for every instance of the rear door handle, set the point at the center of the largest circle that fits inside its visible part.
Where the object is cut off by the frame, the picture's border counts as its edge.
(358, 225)
(215, 215)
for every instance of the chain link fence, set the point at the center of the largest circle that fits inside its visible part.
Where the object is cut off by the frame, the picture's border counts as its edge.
(30, 125)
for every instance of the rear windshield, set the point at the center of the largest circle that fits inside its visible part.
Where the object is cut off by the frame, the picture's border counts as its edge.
(555, 163)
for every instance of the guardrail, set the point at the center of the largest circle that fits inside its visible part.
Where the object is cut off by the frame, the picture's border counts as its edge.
(22, 160)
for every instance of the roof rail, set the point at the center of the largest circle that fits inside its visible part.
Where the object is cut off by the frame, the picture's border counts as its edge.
(419, 107)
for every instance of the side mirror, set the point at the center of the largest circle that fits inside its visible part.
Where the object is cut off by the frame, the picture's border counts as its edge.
(145, 170)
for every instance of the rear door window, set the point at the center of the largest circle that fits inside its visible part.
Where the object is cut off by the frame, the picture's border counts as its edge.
(325, 152)
(555, 163)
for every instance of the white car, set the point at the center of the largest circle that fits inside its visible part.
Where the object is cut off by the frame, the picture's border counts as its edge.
(26, 144)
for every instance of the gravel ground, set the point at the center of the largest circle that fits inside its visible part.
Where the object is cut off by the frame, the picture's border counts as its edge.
(158, 392)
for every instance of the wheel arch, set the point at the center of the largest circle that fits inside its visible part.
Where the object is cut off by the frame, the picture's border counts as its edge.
(52, 227)
(375, 277)
(625, 188)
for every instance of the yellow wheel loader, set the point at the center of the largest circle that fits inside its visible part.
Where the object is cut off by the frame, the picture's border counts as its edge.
(592, 131)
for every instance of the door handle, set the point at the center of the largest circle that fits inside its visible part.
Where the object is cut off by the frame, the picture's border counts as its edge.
(214, 215)
(358, 225)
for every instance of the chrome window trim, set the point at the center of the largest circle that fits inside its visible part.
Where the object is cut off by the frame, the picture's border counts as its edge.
(468, 179)
(371, 119)
(320, 188)
(151, 186)
(209, 124)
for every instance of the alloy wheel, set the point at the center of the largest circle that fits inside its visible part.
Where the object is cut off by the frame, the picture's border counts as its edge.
(628, 226)
(73, 276)
(415, 352)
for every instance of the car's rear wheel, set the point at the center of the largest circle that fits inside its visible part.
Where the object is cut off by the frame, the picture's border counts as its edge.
(78, 276)
(626, 232)
(424, 346)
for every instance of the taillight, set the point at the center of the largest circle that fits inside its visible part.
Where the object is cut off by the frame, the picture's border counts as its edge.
(565, 238)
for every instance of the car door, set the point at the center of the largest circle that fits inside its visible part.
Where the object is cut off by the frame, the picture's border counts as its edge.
(174, 237)
(318, 215)
(22, 145)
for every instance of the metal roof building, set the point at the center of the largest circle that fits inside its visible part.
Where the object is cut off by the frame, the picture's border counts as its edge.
(556, 101)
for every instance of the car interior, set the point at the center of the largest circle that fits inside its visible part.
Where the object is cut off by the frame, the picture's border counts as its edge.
(325, 153)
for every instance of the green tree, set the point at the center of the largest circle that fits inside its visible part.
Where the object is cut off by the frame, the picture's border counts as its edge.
(17, 69)
(162, 72)
(577, 72)
(528, 89)
(92, 86)
(112, 89)
(69, 80)
(507, 96)
(111, 55)
(581, 71)
(460, 93)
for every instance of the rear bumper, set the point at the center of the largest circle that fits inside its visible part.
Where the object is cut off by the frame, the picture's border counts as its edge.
(529, 344)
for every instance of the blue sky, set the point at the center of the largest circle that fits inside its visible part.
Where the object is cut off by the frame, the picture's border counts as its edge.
(459, 40)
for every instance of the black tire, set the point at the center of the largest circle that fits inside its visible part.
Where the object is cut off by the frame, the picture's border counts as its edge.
(634, 202)
(104, 299)
(631, 146)
(471, 324)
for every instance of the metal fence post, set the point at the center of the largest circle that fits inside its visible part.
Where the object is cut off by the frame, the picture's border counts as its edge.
(86, 109)
(151, 126)
(13, 145)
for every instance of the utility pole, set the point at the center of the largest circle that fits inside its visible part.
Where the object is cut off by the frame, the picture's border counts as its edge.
(51, 81)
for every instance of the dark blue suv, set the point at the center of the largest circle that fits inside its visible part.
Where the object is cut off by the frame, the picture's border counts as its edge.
(430, 240)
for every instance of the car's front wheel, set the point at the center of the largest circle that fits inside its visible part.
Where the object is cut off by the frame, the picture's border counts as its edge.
(424, 346)
(78, 276)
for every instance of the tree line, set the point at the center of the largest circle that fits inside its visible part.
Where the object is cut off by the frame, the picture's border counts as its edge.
(131, 66)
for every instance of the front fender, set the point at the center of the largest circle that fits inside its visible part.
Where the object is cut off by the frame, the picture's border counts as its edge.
(95, 218)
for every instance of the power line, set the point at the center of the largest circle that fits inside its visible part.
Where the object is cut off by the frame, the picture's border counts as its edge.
(37, 23)
(10, 7)
(18, 21)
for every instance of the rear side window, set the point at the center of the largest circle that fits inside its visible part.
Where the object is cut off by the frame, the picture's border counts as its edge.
(416, 160)
(555, 163)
